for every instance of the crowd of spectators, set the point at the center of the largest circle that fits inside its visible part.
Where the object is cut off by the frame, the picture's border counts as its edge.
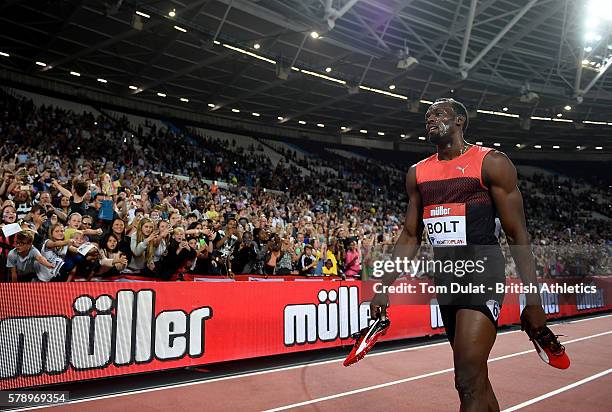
(86, 197)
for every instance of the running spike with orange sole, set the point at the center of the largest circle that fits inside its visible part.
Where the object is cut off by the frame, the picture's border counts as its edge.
(549, 348)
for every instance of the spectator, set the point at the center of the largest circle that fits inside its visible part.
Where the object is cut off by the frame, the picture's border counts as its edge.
(25, 262)
(7, 243)
(142, 244)
(112, 260)
(137, 178)
(273, 253)
(54, 250)
(244, 255)
(284, 264)
(307, 261)
(23, 202)
(178, 252)
(352, 265)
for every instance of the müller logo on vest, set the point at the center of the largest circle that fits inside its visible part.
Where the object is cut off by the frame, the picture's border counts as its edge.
(132, 334)
(440, 211)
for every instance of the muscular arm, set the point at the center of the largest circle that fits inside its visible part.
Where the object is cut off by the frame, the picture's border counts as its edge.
(499, 175)
(409, 241)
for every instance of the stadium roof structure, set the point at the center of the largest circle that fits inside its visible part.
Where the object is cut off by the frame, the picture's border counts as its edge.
(530, 71)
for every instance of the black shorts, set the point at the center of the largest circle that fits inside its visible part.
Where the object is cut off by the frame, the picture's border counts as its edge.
(481, 293)
(449, 315)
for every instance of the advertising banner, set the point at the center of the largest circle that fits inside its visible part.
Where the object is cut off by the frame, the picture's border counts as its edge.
(60, 332)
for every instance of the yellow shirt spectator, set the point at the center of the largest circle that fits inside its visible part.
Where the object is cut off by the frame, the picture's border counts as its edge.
(330, 270)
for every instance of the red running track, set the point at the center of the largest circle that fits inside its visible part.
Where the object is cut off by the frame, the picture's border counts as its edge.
(418, 378)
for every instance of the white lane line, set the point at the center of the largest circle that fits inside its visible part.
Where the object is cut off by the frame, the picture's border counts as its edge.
(557, 391)
(412, 378)
(584, 320)
(248, 374)
(243, 375)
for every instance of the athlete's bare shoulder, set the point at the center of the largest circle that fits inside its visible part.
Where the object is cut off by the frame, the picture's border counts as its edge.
(411, 181)
(497, 168)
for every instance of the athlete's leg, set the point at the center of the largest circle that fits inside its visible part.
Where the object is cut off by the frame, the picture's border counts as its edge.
(472, 343)
(491, 399)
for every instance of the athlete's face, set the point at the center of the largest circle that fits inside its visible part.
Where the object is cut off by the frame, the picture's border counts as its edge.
(441, 122)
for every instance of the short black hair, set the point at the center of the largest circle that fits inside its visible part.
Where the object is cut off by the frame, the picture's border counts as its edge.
(79, 186)
(458, 108)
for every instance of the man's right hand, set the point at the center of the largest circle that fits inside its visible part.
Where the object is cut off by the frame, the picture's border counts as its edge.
(378, 306)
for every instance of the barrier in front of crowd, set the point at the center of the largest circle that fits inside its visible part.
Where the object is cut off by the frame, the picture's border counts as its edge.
(61, 332)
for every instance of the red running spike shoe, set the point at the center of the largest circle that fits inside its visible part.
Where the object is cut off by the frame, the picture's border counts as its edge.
(365, 340)
(549, 348)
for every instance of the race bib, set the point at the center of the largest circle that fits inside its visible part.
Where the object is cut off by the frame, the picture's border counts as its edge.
(445, 224)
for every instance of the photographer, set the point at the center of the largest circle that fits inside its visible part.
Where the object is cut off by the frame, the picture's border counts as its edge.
(273, 252)
(178, 252)
(204, 262)
(262, 236)
(284, 264)
(245, 255)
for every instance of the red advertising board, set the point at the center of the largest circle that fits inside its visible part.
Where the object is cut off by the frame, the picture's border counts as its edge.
(52, 333)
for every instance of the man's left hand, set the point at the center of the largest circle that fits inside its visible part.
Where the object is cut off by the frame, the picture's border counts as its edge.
(533, 318)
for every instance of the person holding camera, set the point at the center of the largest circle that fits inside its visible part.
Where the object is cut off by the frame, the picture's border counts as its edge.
(177, 253)
(273, 253)
(225, 242)
(244, 255)
(284, 264)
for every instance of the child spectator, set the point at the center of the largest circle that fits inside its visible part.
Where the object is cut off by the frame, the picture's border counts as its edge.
(112, 260)
(25, 262)
(307, 261)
